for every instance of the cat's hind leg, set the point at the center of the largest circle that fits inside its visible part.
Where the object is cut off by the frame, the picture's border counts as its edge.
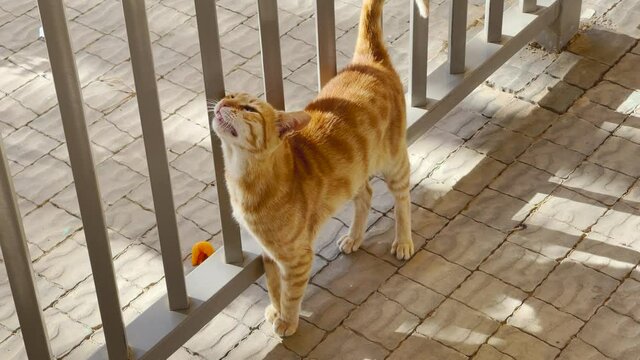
(397, 178)
(362, 203)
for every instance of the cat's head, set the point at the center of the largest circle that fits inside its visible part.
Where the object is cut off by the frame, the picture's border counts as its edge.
(248, 123)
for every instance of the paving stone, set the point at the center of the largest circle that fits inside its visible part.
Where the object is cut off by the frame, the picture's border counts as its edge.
(612, 334)
(459, 327)
(571, 208)
(108, 136)
(468, 171)
(14, 114)
(302, 342)
(116, 180)
(434, 272)
(249, 306)
(424, 223)
(497, 210)
(203, 213)
(433, 147)
(609, 94)
(420, 347)
(109, 48)
(19, 32)
(632, 197)
(489, 295)
(95, 18)
(547, 236)
(64, 333)
(462, 123)
(81, 303)
(560, 97)
(545, 322)
(326, 240)
(613, 155)
(184, 189)
(577, 70)
(382, 199)
(601, 45)
(623, 18)
(485, 100)
(576, 289)
(189, 233)
(576, 134)
(345, 344)
(599, 183)
(323, 309)
(37, 95)
(140, 265)
(488, 352)
(378, 239)
(14, 77)
(539, 88)
(501, 144)
(625, 72)
(196, 162)
(465, 242)
(621, 223)
(524, 182)
(518, 266)
(579, 350)
(218, 337)
(553, 158)
(624, 300)
(597, 114)
(440, 198)
(129, 219)
(48, 226)
(362, 280)
(510, 79)
(13, 347)
(520, 345)
(382, 321)
(523, 117)
(611, 256)
(66, 265)
(134, 156)
(105, 95)
(26, 145)
(414, 297)
(630, 129)
(99, 154)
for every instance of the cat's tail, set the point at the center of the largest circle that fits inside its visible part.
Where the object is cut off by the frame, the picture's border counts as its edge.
(370, 44)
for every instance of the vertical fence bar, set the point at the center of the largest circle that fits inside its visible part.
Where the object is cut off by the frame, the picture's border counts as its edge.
(419, 38)
(528, 5)
(270, 47)
(558, 34)
(457, 36)
(135, 18)
(209, 37)
(493, 20)
(326, 41)
(18, 263)
(65, 76)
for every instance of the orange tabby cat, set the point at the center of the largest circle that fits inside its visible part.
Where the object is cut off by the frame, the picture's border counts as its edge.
(288, 172)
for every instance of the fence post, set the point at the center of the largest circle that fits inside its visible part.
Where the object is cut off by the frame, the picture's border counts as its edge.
(18, 263)
(556, 37)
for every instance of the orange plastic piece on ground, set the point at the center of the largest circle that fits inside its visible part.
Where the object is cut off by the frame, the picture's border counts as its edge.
(200, 252)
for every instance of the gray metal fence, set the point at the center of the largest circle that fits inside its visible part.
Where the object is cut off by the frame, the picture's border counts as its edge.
(194, 300)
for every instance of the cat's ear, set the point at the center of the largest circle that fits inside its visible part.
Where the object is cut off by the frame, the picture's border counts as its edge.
(291, 121)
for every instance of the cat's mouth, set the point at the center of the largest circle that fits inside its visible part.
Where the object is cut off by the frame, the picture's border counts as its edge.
(224, 124)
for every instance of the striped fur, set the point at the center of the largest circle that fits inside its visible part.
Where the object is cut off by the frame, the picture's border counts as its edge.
(287, 173)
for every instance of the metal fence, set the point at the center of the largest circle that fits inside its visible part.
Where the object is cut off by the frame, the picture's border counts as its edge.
(194, 300)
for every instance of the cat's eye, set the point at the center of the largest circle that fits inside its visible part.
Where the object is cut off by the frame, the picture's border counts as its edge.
(249, 108)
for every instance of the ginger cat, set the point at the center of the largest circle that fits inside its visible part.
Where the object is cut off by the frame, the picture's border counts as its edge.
(289, 172)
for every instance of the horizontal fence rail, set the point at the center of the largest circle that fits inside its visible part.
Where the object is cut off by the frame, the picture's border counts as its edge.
(192, 301)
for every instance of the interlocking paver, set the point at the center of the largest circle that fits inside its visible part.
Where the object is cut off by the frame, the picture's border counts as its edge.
(597, 114)
(547, 236)
(434, 272)
(576, 289)
(624, 300)
(601, 45)
(518, 266)
(553, 158)
(458, 326)
(497, 210)
(576, 134)
(502, 144)
(520, 345)
(611, 155)
(579, 350)
(468, 171)
(414, 297)
(613, 334)
(420, 347)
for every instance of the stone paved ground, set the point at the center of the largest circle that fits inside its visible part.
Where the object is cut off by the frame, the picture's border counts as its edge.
(526, 198)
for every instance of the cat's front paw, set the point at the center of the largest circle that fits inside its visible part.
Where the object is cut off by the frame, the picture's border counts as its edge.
(271, 313)
(347, 244)
(402, 249)
(284, 328)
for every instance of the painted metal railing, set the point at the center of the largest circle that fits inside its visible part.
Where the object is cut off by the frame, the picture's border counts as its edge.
(194, 300)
